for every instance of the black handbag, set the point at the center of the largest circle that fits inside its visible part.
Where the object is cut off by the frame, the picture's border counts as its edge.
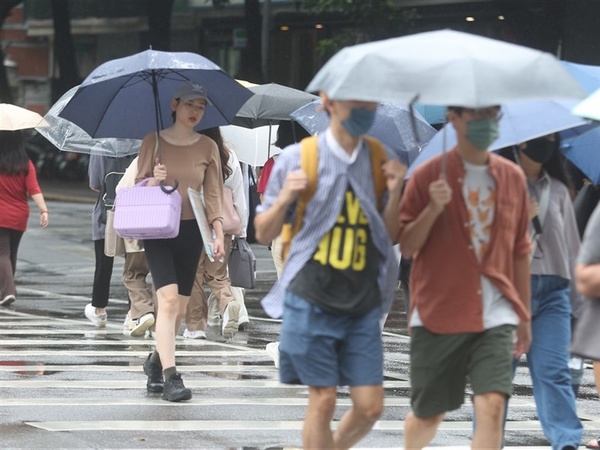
(242, 265)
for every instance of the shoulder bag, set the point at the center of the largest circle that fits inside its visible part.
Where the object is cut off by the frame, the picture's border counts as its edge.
(231, 221)
(242, 264)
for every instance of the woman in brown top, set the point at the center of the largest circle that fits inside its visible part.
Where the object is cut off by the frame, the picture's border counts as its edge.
(193, 160)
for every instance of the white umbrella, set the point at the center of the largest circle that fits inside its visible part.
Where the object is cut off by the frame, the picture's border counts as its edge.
(13, 117)
(251, 145)
(520, 122)
(590, 107)
(444, 68)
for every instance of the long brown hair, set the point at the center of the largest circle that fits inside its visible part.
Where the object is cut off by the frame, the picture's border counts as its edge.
(215, 135)
(13, 158)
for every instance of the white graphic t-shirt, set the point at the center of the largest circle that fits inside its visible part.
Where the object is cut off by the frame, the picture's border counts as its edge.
(479, 193)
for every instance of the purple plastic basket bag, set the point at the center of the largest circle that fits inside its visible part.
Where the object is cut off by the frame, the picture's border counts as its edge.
(147, 212)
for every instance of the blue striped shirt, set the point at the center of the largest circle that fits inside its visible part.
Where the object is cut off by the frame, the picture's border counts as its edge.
(321, 214)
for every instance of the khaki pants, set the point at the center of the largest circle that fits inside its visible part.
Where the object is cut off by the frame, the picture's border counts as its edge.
(140, 292)
(276, 253)
(216, 276)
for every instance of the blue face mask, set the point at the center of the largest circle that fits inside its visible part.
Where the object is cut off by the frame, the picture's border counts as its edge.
(360, 121)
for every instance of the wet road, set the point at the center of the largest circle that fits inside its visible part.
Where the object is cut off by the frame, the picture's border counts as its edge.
(66, 384)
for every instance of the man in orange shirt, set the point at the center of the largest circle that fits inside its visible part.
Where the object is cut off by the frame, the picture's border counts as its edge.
(464, 220)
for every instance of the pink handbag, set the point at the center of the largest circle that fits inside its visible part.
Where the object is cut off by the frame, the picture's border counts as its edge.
(147, 212)
(231, 221)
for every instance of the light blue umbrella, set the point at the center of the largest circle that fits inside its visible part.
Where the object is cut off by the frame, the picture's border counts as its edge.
(433, 114)
(520, 122)
(587, 76)
(584, 152)
(392, 127)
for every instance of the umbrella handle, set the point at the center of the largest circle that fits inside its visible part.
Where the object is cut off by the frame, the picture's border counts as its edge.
(167, 189)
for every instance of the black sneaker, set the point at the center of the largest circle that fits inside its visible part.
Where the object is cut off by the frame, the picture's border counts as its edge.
(174, 390)
(155, 375)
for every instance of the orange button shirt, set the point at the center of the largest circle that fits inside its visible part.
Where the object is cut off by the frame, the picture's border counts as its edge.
(445, 282)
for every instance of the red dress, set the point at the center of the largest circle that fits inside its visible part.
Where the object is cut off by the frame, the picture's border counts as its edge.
(14, 192)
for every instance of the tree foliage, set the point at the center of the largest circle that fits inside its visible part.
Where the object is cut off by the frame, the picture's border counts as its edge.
(368, 20)
(6, 96)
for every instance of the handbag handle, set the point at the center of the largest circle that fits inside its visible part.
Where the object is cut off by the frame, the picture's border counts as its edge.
(157, 152)
(165, 189)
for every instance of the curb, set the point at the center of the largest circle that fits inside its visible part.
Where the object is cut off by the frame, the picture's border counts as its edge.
(68, 198)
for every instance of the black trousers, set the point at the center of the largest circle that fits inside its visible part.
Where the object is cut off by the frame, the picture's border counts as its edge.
(102, 275)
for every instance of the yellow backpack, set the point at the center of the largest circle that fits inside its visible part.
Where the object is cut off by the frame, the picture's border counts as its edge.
(309, 162)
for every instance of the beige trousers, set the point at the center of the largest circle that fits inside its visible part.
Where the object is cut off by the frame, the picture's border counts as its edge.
(216, 276)
(135, 272)
(276, 253)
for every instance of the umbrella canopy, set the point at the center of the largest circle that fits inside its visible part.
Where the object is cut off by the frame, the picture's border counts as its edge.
(587, 76)
(520, 122)
(270, 103)
(590, 107)
(583, 151)
(251, 145)
(68, 137)
(392, 126)
(444, 68)
(130, 97)
(13, 117)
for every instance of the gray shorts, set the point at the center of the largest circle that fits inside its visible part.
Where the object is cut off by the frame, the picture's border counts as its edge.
(441, 363)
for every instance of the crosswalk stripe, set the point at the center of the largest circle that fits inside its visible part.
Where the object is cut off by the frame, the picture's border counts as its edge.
(31, 336)
(141, 384)
(199, 401)
(132, 353)
(219, 425)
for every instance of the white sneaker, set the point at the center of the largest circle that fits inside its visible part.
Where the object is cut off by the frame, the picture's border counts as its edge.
(127, 324)
(230, 319)
(198, 334)
(238, 294)
(272, 350)
(139, 326)
(7, 300)
(100, 320)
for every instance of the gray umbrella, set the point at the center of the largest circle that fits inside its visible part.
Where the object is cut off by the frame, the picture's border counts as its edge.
(270, 103)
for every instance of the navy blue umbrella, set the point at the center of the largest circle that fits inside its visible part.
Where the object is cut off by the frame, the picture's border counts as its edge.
(130, 97)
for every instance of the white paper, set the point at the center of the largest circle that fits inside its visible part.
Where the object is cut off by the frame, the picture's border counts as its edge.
(197, 201)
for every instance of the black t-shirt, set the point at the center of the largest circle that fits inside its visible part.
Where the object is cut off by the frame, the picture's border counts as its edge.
(342, 275)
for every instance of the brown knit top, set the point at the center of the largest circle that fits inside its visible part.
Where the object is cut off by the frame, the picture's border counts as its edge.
(197, 166)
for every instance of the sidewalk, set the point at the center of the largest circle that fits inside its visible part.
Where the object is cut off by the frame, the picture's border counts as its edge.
(67, 191)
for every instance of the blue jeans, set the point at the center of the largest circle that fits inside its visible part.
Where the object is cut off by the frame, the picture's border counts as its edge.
(548, 360)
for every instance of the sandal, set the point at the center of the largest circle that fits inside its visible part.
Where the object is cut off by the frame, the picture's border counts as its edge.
(594, 443)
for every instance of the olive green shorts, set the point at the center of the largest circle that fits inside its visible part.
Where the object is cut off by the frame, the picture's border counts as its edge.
(441, 363)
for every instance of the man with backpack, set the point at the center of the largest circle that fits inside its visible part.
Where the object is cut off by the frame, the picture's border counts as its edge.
(340, 272)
